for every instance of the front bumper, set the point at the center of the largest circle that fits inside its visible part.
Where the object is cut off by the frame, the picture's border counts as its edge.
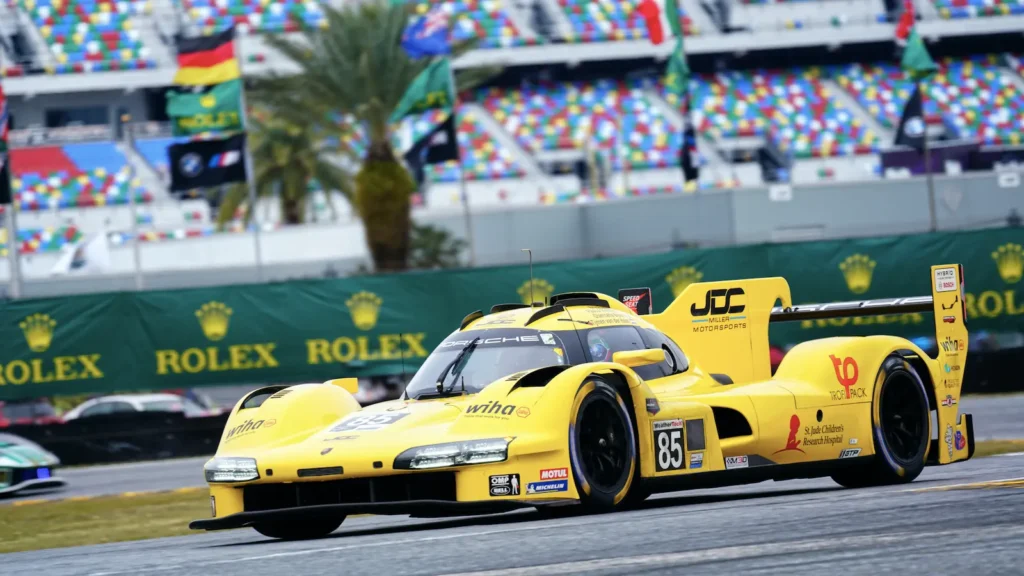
(35, 484)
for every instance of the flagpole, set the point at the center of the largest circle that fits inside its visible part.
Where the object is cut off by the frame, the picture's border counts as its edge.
(14, 263)
(128, 142)
(462, 173)
(933, 219)
(250, 169)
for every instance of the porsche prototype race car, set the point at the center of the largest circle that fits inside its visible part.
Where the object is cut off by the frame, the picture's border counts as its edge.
(593, 403)
(25, 465)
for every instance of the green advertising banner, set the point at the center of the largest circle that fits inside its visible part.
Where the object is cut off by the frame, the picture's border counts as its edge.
(317, 330)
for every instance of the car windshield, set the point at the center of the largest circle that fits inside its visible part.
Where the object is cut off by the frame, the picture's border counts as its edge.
(30, 409)
(175, 405)
(497, 353)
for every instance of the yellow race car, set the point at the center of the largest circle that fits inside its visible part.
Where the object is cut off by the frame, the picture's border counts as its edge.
(593, 403)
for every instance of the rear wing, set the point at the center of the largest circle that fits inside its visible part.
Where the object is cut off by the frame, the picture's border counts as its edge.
(725, 323)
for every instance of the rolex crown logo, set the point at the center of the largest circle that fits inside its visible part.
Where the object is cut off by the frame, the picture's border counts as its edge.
(1010, 262)
(38, 330)
(364, 307)
(857, 269)
(213, 319)
(208, 101)
(542, 290)
(682, 277)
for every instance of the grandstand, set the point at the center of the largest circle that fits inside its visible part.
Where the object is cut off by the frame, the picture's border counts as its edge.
(74, 174)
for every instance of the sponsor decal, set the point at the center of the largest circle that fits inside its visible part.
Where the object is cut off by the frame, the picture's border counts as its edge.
(722, 310)
(949, 319)
(950, 382)
(505, 485)
(340, 438)
(951, 368)
(631, 301)
(668, 442)
(523, 412)
(847, 373)
(945, 280)
(849, 453)
(493, 409)
(38, 330)
(696, 460)
(853, 441)
(554, 473)
(542, 487)
(734, 462)
(325, 451)
(949, 400)
(857, 270)
(652, 406)
(368, 422)
(791, 442)
(248, 427)
(949, 440)
(960, 440)
(952, 345)
(638, 300)
(491, 341)
(548, 339)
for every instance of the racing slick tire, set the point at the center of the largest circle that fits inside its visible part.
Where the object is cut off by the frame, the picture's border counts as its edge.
(901, 429)
(602, 446)
(299, 530)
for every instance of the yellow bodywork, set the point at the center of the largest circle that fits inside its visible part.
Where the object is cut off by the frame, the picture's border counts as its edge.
(816, 408)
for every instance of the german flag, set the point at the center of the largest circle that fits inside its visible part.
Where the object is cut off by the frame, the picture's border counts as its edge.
(207, 60)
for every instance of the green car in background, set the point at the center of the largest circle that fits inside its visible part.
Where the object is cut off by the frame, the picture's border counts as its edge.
(25, 465)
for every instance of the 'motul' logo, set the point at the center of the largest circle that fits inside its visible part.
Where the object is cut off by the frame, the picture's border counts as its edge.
(214, 320)
(38, 330)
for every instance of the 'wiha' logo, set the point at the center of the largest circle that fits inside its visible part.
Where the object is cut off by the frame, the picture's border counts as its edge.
(714, 307)
(951, 345)
(491, 407)
(249, 426)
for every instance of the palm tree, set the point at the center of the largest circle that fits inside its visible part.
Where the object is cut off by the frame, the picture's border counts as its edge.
(292, 157)
(356, 68)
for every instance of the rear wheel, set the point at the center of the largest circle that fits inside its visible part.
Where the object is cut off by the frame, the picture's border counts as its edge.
(901, 429)
(299, 530)
(602, 446)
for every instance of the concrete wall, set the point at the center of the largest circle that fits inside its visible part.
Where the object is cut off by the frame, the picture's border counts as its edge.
(570, 231)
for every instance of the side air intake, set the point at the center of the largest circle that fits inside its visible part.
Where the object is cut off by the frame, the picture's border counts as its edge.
(730, 423)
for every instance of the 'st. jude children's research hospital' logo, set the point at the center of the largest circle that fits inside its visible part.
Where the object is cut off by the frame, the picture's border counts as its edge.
(38, 330)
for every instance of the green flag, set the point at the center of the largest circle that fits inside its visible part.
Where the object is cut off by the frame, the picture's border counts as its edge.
(917, 62)
(677, 74)
(674, 21)
(431, 89)
(217, 109)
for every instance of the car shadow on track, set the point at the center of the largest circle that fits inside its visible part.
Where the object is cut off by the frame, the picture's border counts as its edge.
(510, 518)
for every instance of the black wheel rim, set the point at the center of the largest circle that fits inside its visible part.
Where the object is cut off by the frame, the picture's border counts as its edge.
(902, 419)
(603, 442)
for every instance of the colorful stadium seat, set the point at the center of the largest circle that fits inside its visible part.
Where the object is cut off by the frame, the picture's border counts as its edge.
(973, 8)
(254, 15)
(604, 20)
(973, 98)
(554, 116)
(792, 108)
(485, 19)
(90, 35)
(37, 241)
(75, 175)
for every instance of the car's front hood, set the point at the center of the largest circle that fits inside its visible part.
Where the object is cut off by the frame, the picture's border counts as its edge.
(367, 441)
(18, 456)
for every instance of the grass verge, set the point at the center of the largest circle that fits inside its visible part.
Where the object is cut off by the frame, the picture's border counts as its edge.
(984, 448)
(100, 520)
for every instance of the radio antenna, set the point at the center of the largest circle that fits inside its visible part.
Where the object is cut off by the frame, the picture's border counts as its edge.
(530, 254)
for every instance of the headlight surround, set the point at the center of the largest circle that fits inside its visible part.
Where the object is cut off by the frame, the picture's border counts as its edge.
(454, 454)
(231, 469)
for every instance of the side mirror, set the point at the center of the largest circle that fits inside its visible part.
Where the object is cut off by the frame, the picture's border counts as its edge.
(635, 358)
(350, 385)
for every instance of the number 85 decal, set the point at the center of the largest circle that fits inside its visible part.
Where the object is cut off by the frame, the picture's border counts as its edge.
(668, 442)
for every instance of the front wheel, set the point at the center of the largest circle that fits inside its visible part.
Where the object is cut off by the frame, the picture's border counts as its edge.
(307, 529)
(901, 429)
(602, 446)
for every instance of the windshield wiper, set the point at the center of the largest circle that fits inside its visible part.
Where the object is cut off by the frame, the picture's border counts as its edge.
(462, 354)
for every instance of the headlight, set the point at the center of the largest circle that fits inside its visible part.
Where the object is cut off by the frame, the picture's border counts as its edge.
(231, 470)
(454, 454)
